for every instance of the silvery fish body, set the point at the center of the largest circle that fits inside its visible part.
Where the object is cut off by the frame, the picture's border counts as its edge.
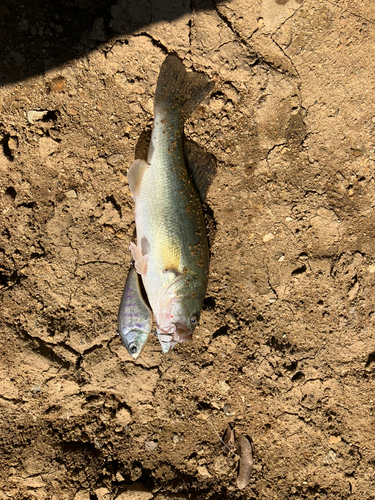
(171, 252)
(134, 316)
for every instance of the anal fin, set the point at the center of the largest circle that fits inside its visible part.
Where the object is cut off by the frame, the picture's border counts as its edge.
(135, 251)
(141, 265)
(140, 261)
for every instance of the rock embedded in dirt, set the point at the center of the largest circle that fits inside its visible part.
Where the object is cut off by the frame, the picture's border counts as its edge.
(123, 417)
(115, 159)
(34, 116)
(71, 194)
(135, 473)
(135, 494)
(203, 472)
(103, 494)
(151, 445)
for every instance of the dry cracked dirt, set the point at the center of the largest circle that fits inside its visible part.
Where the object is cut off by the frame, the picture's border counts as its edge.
(285, 350)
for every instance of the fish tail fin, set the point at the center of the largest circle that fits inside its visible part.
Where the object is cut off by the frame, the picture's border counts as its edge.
(178, 89)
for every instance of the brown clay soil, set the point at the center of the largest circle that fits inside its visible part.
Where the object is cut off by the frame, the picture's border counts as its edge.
(285, 350)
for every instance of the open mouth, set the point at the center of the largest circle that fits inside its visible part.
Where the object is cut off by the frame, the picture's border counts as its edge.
(179, 332)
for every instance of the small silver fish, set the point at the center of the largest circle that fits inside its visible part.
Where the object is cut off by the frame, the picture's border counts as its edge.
(171, 252)
(134, 316)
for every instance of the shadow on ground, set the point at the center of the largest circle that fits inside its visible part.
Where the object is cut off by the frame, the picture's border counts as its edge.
(39, 35)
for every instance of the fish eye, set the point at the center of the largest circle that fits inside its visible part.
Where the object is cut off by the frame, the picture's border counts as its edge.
(194, 319)
(133, 348)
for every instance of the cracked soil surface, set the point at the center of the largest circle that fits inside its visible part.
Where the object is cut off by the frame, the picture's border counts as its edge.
(285, 350)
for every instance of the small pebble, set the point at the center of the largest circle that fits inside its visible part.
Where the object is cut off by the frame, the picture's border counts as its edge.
(12, 143)
(34, 116)
(114, 159)
(177, 438)
(136, 473)
(151, 445)
(334, 439)
(71, 194)
(268, 237)
(202, 471)
(227, 411)
(330, 458)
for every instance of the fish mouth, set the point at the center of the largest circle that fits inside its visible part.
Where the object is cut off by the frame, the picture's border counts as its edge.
(134, 342)
(168, 339)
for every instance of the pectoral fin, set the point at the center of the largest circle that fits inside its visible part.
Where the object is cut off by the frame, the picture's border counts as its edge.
(145, 246)
(135, 174)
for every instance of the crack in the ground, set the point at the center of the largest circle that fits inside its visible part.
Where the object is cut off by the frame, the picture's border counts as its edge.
(247, 44)
(238, 36)
(108, 49)
(274, 147)
(48, 347)
(98, 261)
(269, 282)
(154, 41)
(289, 17)
(191, 24)
(229, 23)
(286, 56)
(12, 400)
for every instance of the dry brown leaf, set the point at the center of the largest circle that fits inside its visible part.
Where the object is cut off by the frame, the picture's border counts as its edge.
(229, 439)
(246, 462)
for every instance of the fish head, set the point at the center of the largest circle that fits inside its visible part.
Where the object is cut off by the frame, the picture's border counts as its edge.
(179, 310)
(134, 341)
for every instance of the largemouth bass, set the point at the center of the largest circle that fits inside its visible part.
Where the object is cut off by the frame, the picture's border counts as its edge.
(134, 316)
(171, 252)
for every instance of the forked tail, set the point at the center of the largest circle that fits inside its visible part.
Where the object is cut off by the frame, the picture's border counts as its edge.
(178, 90)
